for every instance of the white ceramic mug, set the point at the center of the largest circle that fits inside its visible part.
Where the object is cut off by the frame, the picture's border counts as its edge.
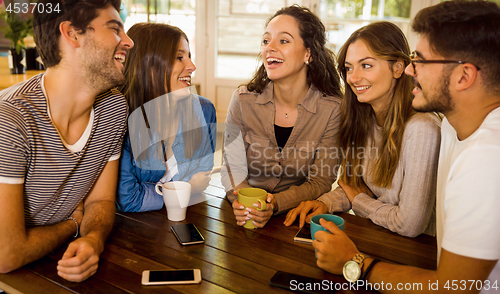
(176, 196)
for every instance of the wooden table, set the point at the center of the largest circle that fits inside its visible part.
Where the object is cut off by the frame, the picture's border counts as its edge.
(7, 79)
(233, 259)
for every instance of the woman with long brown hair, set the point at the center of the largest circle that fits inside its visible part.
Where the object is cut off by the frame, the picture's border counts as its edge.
(178, 142)
(389, 152)
(284, 119)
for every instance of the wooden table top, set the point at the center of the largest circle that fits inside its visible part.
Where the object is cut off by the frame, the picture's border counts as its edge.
(7, 79)
(232, 259)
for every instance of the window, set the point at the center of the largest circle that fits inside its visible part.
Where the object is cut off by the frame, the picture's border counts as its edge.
(179, 13)
(240, 25)
(343, 17)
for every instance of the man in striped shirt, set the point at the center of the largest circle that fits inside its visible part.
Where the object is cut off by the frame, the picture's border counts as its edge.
(60, 138)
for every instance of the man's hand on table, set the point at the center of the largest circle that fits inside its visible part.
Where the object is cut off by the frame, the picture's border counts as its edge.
(80, 259)
(79, 262)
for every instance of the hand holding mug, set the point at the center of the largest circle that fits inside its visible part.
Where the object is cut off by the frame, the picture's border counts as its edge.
(333, 248)
(253, 208)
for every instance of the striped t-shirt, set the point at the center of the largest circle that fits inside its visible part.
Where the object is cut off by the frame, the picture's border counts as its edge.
(32, 152)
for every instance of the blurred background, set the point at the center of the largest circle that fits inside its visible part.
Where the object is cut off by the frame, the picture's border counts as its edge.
(225, 35)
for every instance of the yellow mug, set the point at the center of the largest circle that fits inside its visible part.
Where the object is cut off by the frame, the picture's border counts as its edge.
(247, 197)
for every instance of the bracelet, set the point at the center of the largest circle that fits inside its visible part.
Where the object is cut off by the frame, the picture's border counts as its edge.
(368, 269)
(79, 210)
(77, 227)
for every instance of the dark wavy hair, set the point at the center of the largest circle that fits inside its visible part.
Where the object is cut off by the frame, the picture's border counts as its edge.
(465, 30)
(321, 71)
(386, 41)
(46, 25)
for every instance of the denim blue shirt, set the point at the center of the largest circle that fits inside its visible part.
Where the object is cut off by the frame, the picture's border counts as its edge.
(136, 186)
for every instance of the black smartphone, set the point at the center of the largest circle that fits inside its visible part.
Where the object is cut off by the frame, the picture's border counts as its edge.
(171, 277)
(304, 235)
(187, 234)
(302, 284)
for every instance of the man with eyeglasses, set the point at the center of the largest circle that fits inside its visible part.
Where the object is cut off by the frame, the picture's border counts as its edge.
(456, 71)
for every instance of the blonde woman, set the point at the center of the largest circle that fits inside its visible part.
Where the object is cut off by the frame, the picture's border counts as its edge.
(389, 168)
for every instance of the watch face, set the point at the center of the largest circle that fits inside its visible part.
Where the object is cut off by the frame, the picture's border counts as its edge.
(352, 271)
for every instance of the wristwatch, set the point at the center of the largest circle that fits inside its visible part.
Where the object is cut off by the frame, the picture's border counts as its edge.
(352, 268)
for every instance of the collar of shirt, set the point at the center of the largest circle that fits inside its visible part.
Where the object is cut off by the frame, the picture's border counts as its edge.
(309, 102)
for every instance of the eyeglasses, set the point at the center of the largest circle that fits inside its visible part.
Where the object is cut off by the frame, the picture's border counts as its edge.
(414, 55)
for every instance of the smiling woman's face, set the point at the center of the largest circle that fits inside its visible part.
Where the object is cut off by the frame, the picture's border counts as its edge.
(283, 51)
(369, 77)
(182, 69)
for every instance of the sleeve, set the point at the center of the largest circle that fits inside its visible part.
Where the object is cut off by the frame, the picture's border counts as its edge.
(14, 146)
(123, 123)
(336, 200)
(234, 171)
(471, 202)
(134, 195)
(320, 178)
(417, 197)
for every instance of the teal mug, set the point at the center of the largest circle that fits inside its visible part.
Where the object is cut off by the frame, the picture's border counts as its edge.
(315, 226)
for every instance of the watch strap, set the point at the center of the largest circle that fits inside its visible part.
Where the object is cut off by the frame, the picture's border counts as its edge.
(368, 269)
(359, 259)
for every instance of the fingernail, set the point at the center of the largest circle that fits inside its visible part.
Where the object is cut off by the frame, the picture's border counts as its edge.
(241, 207)
(248, 217)
(254, 222)
(245, 213)
(256, 205)
(249, 209)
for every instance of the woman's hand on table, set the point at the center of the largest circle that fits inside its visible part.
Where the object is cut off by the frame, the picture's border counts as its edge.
(314, 206)
(352, 191)
(258, 217)
(333, 250)
(199, 182)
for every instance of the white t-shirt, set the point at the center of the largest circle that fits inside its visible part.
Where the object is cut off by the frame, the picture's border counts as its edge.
(468, 194)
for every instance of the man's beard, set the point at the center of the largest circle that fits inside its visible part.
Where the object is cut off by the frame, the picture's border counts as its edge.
(101, 72)
(439, 100)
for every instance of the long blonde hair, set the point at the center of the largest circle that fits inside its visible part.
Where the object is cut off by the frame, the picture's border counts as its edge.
(386, 41)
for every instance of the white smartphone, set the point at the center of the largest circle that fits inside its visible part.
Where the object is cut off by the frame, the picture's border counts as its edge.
(187, 234)
(304, 235)
(171, 277)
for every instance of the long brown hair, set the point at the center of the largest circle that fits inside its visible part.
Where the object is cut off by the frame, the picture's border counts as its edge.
(386, 41)
(148, 69)
(321, 71)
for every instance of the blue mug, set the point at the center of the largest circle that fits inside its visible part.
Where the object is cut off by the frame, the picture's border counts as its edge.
(315, 226)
